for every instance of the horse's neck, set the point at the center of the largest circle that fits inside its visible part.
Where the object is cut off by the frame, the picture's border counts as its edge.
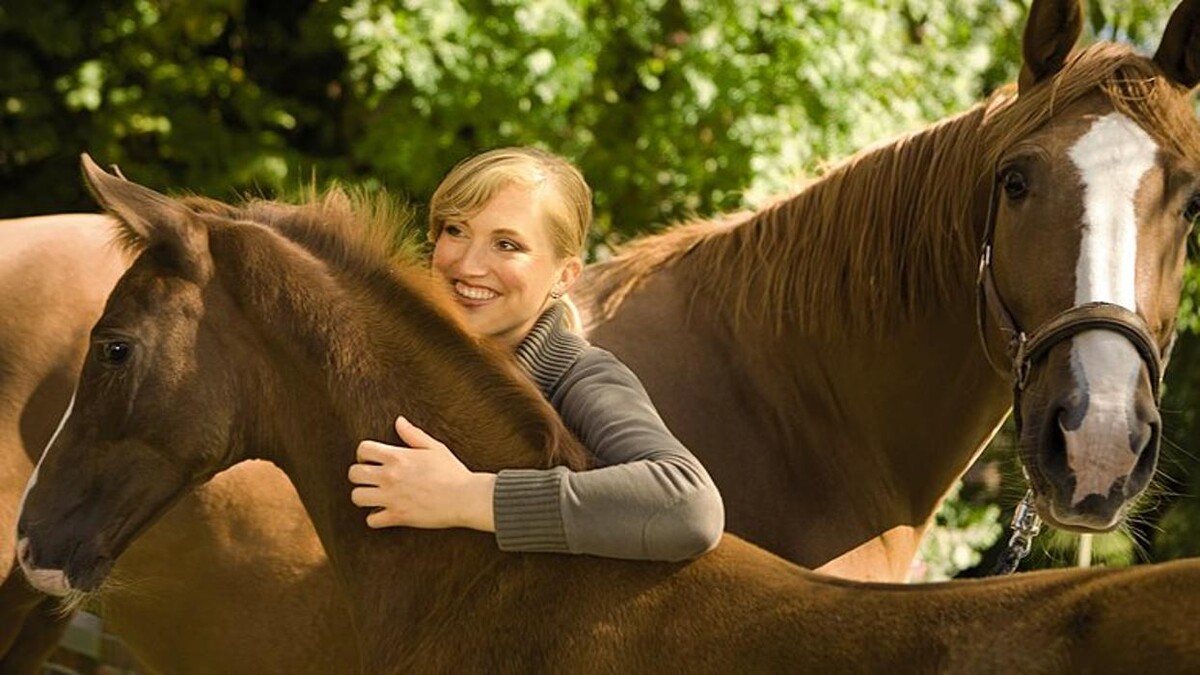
(309, 420)
(371, 352)
(393, 579)
(910, 399)
(396, 580)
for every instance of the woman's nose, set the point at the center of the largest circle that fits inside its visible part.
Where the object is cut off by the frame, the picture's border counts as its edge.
(472, 260)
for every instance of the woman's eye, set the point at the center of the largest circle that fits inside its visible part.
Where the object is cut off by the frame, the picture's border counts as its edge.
(1191, 210)
(452, 230)
(115, 352)
(1014, 183)
(505, 245)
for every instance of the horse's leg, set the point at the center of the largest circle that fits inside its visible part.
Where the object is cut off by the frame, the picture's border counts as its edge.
(30, 626)
(30, 623)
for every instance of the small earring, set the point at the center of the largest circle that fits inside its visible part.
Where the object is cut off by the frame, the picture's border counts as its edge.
(557, 291)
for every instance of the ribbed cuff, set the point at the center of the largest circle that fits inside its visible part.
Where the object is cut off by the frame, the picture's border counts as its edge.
(528, 512)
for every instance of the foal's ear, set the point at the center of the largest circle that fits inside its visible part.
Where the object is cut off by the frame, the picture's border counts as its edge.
(1051, 31)
(151, 221)
(1179, 52)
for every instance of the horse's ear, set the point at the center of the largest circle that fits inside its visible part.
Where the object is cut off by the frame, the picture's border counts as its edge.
(151, 221)
(1179, 52)
(1050, 35)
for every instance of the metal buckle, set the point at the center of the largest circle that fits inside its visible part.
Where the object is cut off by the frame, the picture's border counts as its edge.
(1026, 524)
(1021, 360)
(985, 259)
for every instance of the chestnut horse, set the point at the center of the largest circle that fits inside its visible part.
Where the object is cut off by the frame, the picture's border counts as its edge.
(278, 333)
(822, 356)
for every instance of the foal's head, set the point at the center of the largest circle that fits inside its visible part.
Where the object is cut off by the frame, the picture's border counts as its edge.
(1097, 186)
(146, 347)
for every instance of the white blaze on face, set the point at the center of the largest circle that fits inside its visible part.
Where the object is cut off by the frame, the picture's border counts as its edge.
(1111, 157)
(53, 582)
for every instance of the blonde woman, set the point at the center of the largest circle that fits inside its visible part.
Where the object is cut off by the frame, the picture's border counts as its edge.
(509, 227)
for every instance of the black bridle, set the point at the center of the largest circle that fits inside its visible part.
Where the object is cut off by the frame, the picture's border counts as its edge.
(1026, 349)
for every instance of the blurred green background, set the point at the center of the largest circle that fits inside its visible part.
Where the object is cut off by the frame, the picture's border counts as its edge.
(672, 108)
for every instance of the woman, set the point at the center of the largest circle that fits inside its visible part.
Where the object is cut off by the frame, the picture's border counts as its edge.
(509, 228)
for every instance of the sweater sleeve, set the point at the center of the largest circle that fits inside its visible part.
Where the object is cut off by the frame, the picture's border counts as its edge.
(649, 498)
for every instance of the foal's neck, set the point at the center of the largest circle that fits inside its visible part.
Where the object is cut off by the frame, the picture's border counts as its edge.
(392, 351)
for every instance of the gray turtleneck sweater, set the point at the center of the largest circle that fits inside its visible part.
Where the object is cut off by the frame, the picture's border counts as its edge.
(648, 499)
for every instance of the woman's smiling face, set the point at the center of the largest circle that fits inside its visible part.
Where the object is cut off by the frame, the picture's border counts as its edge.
(501, 264)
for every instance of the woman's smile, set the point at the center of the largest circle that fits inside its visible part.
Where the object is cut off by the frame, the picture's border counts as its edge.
(470, 295)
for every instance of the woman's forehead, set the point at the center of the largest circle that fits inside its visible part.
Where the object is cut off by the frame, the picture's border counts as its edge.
(516, 210)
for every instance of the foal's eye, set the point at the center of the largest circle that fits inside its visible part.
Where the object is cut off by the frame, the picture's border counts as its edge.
(1015, 185)
(114, 353)
(1191, 210)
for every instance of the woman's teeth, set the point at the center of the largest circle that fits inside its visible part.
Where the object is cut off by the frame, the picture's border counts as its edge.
(474, 292)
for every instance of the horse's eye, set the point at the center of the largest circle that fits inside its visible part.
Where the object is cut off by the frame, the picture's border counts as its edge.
(1015, 185)
(115, 353)
(1191, 211)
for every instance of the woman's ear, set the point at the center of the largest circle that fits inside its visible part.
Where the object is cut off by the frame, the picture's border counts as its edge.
(569, 274)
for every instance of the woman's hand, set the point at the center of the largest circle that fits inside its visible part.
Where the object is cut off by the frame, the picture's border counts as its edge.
(423, 485)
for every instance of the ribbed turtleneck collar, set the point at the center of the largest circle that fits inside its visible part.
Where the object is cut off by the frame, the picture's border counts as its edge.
(549, 349)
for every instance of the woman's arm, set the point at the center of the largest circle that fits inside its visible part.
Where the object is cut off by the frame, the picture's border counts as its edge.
(650, 499)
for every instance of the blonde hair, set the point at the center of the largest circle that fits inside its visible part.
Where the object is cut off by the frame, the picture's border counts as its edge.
(475, 180)
(566, 197)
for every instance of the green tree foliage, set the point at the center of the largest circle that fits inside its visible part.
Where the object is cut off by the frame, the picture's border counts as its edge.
(671, 107)
(962, 530)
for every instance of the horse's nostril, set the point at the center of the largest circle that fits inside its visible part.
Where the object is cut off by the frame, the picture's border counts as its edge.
(1140, 438)
(1072, 412)
(1144, 443)
(23, 551)
(1055, 456)
(1062, 420)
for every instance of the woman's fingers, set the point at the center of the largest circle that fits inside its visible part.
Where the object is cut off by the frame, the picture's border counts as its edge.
(413, 436)
(381, 518)
(364, 474)
(366, 496)
(375, 452)
(422, 485)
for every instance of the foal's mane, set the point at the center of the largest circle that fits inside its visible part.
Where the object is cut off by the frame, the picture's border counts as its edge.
(889, 231)
(354, 235)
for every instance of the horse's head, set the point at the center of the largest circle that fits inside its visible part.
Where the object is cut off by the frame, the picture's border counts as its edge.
(151, 416)
(1097, 186)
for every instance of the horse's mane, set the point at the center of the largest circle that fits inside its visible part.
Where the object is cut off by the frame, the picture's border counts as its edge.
(348, 229)
(889, 230)
(356, 237)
